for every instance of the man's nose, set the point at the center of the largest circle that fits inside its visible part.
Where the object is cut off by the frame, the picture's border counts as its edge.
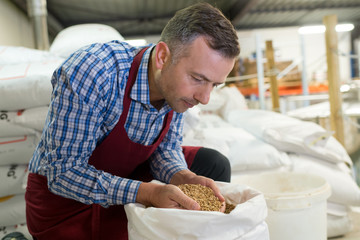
(203, 95)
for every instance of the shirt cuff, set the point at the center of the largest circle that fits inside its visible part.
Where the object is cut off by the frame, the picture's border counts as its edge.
(173, 171)
(124, 191)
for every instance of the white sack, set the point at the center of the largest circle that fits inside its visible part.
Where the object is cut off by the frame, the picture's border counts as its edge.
(194, 119)
(212, 121)
(22, 122)
(216, 102)
(199, 137)
(15, 55)
(194, 136)
(234, 100)
(337, 209)
(244, 151)
(338, 220)
(12, 209)
(191, 119)
(11, 231)
(13, 179)
(320, 112)
(290, 134)
(17, 150)
(338, 225)
(223, 101)
(72, 38)
(26, 85)
(344, 189)
(246, 221)
(8, 128)
(33, 118)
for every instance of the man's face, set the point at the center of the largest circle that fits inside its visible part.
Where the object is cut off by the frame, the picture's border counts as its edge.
(191, 78)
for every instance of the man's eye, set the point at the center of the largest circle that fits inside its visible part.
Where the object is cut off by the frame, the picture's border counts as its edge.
(196, 79)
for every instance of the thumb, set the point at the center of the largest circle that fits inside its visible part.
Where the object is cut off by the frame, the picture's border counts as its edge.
(188, 203)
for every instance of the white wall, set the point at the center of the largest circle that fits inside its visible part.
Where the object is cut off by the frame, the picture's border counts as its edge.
(15, 26)
(286, 43)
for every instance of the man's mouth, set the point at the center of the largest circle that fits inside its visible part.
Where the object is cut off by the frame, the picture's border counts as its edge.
(188, 104)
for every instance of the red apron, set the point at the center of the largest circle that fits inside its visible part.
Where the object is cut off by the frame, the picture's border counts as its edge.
(50, 216)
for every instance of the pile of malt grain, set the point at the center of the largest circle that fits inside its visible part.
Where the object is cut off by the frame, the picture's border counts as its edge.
(229, 207)
(204, 196)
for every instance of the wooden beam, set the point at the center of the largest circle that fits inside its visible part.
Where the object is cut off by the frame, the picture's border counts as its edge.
(272, 75)
(336, 118)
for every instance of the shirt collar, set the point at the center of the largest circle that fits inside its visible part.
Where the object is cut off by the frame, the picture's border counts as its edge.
(140, 90)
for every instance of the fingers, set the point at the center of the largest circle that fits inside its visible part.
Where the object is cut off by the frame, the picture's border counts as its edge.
(184, 201)
(218, 194)
(223, 207)
(188, 203)
(211, 184)
(170, 196)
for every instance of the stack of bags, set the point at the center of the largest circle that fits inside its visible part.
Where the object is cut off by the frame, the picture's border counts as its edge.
(311, 149)
(25, 90)
(25, 93)
(206, 126)
(258, 141)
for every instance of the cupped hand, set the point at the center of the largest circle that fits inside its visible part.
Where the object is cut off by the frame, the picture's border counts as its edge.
(165, 196)
(188, 177)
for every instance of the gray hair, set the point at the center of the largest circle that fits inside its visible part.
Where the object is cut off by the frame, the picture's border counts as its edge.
(200, 19)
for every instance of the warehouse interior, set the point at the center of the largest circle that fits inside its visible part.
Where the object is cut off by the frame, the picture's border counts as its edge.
(291, 104)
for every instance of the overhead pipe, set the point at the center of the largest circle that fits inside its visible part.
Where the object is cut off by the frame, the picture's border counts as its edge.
(38, 13)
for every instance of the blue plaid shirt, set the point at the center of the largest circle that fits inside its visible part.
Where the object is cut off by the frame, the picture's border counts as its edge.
(86, 104)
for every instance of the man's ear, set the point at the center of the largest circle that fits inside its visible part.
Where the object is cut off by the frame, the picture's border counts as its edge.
(162, 54)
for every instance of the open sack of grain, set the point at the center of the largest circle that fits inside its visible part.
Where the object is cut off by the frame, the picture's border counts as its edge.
(245, 221)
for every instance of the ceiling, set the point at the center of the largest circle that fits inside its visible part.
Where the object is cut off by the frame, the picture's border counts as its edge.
(136, 18)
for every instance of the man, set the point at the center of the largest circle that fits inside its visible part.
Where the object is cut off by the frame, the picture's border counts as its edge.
(115, 115)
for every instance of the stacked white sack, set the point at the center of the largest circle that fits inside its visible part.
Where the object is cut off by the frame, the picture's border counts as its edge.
(12, 201)
(223, 101)
(205, 126)
(12, 206)
(25, 91)
(72, 38)
(15, 153)
(321, 113)
(10, 55)
(22, 122)
(291, 134)
(13, 178)
(244, 151)
(26, 85)
(256, 141)
(313, 150)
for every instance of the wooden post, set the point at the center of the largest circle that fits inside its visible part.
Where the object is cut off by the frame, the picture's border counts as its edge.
(273, 81)
(333, 76)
